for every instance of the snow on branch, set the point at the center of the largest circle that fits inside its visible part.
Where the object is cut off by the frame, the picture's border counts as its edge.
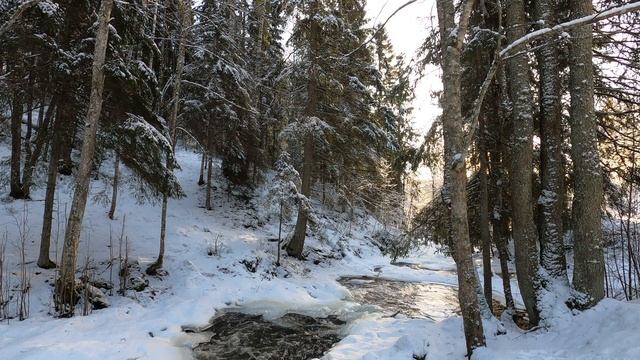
(18, 14)
(560, 28)
(557, 29)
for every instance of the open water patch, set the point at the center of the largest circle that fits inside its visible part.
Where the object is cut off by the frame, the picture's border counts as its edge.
(234, 335)
(413, 299)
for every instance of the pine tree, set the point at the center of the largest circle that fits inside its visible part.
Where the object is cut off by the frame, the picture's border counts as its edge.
(338, 71)
(551, 139)
(524, 231)
(184, 11)
(313, 34)
(588, 274)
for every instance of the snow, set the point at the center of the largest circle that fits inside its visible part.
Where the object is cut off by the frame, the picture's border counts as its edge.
(48, 8)
(560, 28)
(147, 324)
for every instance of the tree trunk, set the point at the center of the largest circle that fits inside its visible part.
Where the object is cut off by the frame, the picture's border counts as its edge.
(65, 285)
(114, 187)
(499, 222)
(41, 113)
(184, 8)
(153, 31)
(16, 146)
(501, 238)
(524, 231)
(485, 236)
(296, 245)
(202, 162)
(551, 167)
(42, 137)
(451, 37)
(208, 204)
(29, 104)
(209, 158)
(66, 147)
(52, 176)
(588, 273)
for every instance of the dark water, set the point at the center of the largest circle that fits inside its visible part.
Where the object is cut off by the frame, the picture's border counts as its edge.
(416, 300)
(235, 335)
(239, 336)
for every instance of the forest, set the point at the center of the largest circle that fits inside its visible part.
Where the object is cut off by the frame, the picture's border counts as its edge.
(256, 179)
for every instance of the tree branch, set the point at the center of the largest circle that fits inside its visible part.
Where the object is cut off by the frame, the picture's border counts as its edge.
(590, 19)
(375, 33)
(17, 15)
(560, 28)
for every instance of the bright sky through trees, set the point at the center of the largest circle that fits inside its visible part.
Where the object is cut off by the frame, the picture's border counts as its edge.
(407, 29)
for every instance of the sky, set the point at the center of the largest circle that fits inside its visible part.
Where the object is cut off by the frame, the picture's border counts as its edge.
(406, 30)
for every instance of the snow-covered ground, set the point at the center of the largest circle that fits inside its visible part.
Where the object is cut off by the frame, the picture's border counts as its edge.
(147, 324)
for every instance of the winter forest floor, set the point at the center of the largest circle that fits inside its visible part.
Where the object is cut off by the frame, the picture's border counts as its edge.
(147, 324)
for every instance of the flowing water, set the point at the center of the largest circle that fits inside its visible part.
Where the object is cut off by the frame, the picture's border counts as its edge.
(416, 300)
(415, 266)
(235, 335)
(239, 336)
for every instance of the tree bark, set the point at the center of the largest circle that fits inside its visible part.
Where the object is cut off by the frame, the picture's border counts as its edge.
(524, 231)
(66, 146)
(114, 187)
(296, 245)
(208, 203)
(451, 38)
(16, 146)
(202, 162)
(551, 167)
(42, 137)
(52, 177)
(208, 155)
(184, 9)
(588, 274)
(485, 236)
(65, 285)
(501, 238)
(499, 222)
(29, 104)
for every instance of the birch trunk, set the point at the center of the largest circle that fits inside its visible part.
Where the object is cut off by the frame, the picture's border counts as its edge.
(65, 285)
